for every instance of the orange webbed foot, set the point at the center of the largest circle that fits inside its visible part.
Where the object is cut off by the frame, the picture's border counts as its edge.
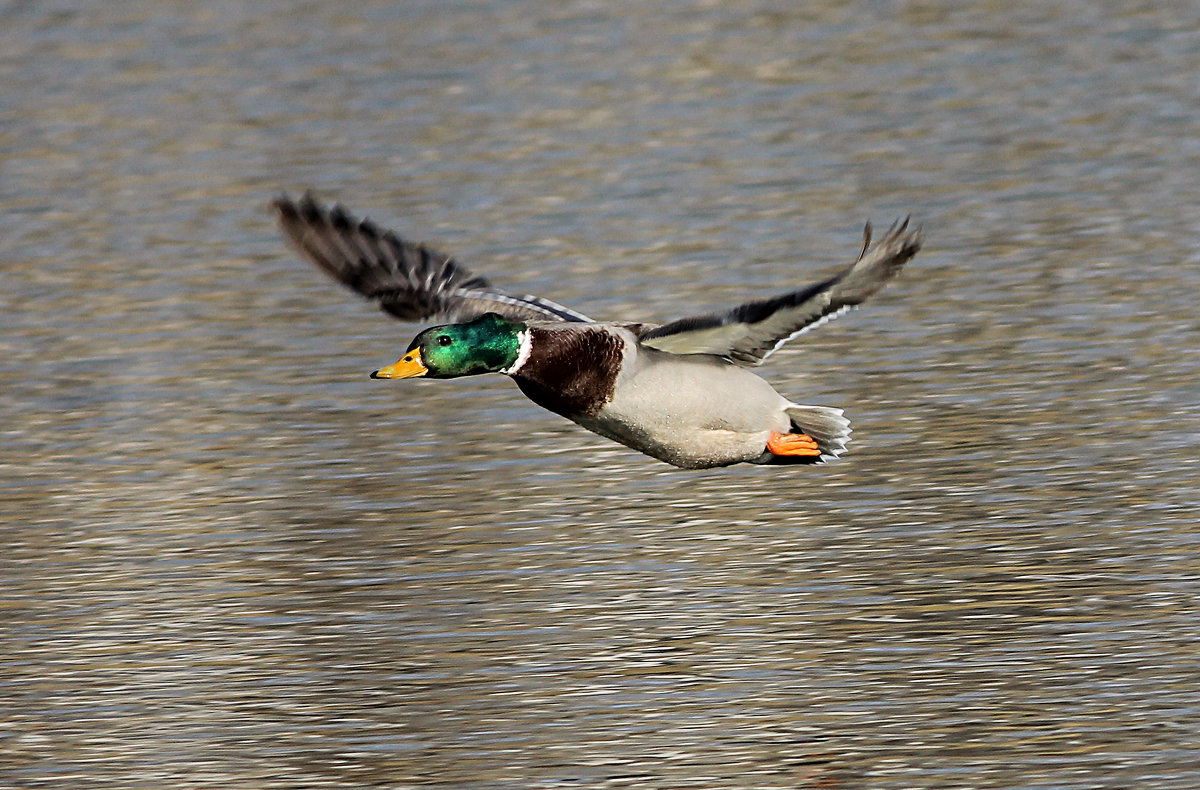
(792, 444)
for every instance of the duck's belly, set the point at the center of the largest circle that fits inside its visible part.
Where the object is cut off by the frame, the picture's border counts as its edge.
(691, 412)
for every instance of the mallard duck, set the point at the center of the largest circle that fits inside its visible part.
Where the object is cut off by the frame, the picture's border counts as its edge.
(681, 392)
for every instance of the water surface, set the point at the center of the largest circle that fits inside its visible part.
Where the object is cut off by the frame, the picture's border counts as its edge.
(232, 560)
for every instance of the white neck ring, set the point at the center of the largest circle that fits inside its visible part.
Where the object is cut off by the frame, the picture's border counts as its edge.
(526, 339)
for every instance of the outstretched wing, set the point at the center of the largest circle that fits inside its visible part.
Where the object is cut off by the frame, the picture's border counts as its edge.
(410, 281)
(749, 333)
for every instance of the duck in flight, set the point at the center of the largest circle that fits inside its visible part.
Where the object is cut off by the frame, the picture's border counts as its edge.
(682, 392)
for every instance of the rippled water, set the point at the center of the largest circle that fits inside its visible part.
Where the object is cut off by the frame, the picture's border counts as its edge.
(233, 560)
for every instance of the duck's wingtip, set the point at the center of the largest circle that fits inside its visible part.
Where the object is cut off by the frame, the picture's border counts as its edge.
(282, 204)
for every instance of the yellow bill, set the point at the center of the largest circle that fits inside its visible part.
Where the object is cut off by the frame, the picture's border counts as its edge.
(409, 366)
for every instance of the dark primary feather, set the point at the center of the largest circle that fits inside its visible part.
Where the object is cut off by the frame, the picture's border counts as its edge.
(410, 281)
(749, 333)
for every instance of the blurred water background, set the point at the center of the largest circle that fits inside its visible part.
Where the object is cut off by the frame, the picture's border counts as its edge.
(231, 560)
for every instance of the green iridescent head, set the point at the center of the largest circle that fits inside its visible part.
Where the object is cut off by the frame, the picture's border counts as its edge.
(487, 344)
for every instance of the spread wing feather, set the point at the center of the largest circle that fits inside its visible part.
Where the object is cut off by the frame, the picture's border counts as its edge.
(751, 332)
(409, 281)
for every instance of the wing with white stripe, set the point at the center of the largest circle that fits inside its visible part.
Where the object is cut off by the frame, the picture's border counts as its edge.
(751, 332)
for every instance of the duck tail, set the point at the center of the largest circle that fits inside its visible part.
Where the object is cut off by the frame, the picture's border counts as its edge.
(824, 424)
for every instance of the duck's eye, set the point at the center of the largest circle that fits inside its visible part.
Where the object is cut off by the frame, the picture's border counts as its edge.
(444, 340)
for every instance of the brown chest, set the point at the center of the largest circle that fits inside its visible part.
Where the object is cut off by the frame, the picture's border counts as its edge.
(571, 371)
